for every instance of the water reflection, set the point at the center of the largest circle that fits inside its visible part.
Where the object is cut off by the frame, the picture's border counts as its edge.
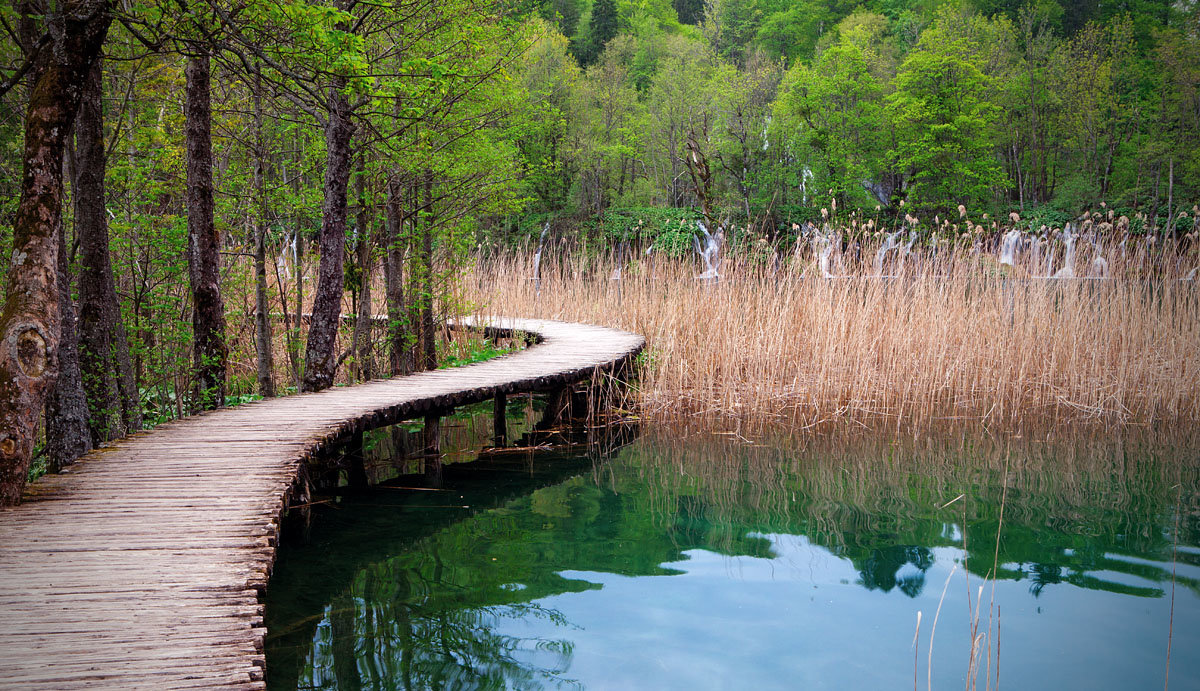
(706, 563)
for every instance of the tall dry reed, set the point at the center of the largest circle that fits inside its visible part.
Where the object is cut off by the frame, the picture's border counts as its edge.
(950, 336)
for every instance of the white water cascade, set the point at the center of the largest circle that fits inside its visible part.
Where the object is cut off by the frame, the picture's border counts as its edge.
(1099, 266)
(1068, 267)
(1008, 247)
(537, 259)
(710, 252)
(891, 243)
(822, 244)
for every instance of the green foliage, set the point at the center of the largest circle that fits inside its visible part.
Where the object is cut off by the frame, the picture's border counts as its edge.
(836, 108)
(602, 27)
(945, 115)
(481, 352)
(669, 230)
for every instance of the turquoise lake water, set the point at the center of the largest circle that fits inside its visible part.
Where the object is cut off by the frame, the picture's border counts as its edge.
(712, 563)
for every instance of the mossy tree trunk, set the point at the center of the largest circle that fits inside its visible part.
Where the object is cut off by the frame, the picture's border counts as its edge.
(29, 323)
(397, 334)
(204, 242)
(320, 360)
(67, 435)
(114, 407)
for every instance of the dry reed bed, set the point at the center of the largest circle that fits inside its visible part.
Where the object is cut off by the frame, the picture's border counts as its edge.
(950, 338)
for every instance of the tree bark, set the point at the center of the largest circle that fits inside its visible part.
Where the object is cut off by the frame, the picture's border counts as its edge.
(29, 323)
(67, 434)
(1171, 197)
(262, 317)
(114, 408)
(362, 322)
(204, 243)
(697, 165)
(428, 340)
(320, 361)
(398, 361)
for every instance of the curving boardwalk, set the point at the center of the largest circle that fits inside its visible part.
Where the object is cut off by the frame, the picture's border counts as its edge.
(142, 566)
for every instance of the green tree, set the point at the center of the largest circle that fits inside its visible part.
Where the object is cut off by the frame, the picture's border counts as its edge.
(602, 27)
(944, 112)
(547, 76)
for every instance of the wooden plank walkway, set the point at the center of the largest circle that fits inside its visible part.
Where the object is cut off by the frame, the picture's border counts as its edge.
(142, 566)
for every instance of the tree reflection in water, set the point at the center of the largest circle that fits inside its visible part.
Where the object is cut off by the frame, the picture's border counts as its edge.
(424, 598)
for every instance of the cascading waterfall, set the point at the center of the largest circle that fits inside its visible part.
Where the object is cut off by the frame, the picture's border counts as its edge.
(537, 259)
(290, 249)
(1099, 266)
(822, 243)
(889, 243)
(1068, 267)
(710, 252)
(1008, 247)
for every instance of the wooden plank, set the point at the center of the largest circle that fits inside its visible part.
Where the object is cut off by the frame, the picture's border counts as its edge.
(141, 567)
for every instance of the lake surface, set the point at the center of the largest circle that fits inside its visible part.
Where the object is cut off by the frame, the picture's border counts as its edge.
(712, 563)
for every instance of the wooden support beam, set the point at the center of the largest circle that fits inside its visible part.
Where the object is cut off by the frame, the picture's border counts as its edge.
(499, 420)
(433, 449)
(558, 402)
(355, 459)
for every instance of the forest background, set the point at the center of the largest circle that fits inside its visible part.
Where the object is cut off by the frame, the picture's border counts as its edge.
(410, 138)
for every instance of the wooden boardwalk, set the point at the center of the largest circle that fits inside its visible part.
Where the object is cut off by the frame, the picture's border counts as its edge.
(141, 568)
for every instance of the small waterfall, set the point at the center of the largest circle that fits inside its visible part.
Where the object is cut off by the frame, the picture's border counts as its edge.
(710, 252)
(822, 243)
(289, 249)
(1068, 267)
(537, 259)
(890, 243)
(1045, 242)
(1099, 266)
(912, 240)
(622, 250)
(1008, 247)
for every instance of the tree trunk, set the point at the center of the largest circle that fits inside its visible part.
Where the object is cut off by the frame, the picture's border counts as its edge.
(91, 228)
(428, 341)
(697, 165)
(1171, 197)
(29, 323)
(204, 243)
(393, 274)
(114, 407)
(320, 361)
(362, 322)
(299, 245)
(262, 317)
(67, 435)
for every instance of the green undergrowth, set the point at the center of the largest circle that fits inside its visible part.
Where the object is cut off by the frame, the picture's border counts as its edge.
(478, 353)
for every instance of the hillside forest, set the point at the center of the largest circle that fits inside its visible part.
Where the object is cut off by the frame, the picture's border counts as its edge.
(209, 201)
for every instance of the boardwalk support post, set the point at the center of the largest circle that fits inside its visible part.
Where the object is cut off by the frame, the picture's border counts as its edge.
(433, 450)
(356, 471)
(499, 420)
(558, 402)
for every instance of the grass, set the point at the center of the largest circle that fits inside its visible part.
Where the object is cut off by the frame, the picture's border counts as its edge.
(951, 336)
